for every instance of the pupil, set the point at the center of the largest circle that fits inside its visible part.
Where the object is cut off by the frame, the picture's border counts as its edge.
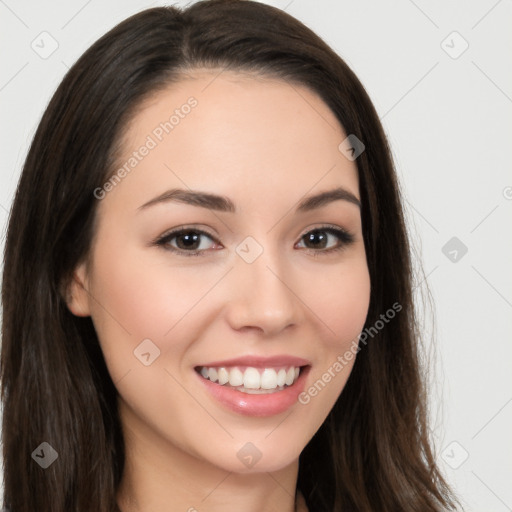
(318, 235)
(190, 239)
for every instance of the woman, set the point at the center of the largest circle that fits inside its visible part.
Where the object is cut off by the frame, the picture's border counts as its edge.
(278, 369)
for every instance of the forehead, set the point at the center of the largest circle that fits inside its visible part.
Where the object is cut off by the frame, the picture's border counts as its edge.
(219, 129)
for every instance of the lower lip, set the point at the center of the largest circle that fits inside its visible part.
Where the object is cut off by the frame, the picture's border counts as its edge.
(260, 405)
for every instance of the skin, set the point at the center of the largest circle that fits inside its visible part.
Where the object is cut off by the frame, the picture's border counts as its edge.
(265, 145)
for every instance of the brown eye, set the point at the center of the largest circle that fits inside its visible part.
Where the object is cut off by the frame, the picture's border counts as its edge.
(189, 242)
(318, 239)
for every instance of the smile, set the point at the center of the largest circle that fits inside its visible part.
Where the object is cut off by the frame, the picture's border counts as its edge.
(254, 385)
(250, 379)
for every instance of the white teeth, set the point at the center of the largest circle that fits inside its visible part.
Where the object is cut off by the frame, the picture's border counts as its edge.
(281, 377)
(212, 374)
(290, 376)
(223, 376)
(236, 377)
(268, 379)
(252, 380)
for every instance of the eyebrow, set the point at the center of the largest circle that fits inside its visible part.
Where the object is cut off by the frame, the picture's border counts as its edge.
(224, 204)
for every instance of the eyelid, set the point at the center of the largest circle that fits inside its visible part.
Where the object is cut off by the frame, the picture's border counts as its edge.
(179, 229)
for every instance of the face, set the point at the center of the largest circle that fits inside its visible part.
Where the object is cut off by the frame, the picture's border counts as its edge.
(224, 322)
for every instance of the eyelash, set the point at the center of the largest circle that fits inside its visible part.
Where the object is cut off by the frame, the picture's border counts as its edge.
(343, 236)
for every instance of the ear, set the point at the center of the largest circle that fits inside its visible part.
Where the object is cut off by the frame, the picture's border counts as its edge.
(77, 295)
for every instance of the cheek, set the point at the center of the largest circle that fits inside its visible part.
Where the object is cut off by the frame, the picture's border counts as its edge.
(341, 302)
(329, 377)
(340, 299)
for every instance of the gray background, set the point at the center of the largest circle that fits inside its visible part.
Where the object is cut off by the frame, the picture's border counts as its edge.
(447, 113)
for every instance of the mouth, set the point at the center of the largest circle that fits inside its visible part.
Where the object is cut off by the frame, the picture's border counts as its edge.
(250, 379)
(255, 386)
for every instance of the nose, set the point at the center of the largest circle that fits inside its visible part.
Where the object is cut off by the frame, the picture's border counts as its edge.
(262, 297)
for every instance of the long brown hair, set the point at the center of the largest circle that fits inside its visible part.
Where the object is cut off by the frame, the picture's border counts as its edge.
(373, 452)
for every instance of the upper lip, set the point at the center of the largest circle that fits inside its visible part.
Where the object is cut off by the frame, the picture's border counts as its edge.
(260, 361)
